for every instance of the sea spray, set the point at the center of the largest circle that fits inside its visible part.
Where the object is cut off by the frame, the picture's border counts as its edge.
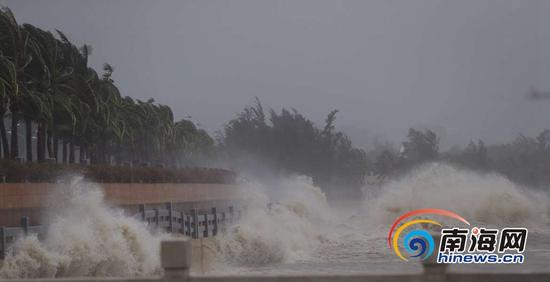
(290, 223)
(84, 237)
(278, 225)
(488, 199)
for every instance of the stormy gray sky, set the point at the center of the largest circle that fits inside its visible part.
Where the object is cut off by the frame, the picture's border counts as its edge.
(462, 68)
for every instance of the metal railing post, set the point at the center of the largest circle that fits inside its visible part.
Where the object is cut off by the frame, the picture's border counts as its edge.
(231, 214)
(142, 211)
(195, 224)
(215, 227)
(224, 223)
(175, 259)
(182, 226)
(2, 242)
(188, 230)
(171, 220)
(157, 217)
(25, 224)
(205, 232)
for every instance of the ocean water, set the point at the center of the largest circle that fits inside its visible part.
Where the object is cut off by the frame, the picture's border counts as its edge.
(303, 233)
(288, 227)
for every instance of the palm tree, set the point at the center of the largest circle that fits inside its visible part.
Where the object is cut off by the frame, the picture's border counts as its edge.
(188, 144)
(73, 87)
(35, 104)
(47, 81)
(42, 76)
(14, 45)
(7, 82)
(105, 126)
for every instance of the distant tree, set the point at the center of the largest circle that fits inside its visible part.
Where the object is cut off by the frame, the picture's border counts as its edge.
(421, 146)
(543, 140)
(248, 133)
(290, 143)
(526, 160)
(189, 144)
(475, 156)
(386, 163)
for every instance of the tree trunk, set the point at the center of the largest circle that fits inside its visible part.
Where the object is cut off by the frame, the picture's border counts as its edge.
(14, 150)
(41, 143)
(56, 148)
(44, 142)
(64, 151)
(49, 143)
(4, 136)
(92, 154)
(101, 152)
(28, 135)
(82, 154)
(71, 152)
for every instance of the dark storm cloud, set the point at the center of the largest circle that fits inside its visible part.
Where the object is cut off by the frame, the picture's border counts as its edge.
(462, 68)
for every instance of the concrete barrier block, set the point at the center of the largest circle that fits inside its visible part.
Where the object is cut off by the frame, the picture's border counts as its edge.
(175, 256)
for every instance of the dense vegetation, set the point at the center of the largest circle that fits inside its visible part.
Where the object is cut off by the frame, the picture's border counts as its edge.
(45, 81)
(526, 160)
(287, 142)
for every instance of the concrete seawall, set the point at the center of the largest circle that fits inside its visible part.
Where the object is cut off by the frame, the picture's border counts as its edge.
(29, 199)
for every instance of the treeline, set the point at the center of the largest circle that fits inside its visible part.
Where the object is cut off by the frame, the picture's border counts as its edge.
(526, 160)
(47, 85)
(287, 142)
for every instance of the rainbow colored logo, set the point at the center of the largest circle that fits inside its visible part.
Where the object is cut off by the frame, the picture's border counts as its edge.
(417, 242)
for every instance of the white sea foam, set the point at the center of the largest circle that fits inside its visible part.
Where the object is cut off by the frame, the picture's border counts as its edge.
(277, 228)
(85, 237)
(489, 199)
(301, 227)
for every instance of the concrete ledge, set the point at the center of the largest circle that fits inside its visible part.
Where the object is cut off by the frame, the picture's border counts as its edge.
(28, 199)
(35, 195)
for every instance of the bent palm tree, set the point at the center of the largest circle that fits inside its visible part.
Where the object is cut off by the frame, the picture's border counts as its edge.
(14, 45)
(46, 80)
(7, 81)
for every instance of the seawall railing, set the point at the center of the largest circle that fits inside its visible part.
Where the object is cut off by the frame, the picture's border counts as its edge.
(194, 224)
(176, 261)
(197, 224)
